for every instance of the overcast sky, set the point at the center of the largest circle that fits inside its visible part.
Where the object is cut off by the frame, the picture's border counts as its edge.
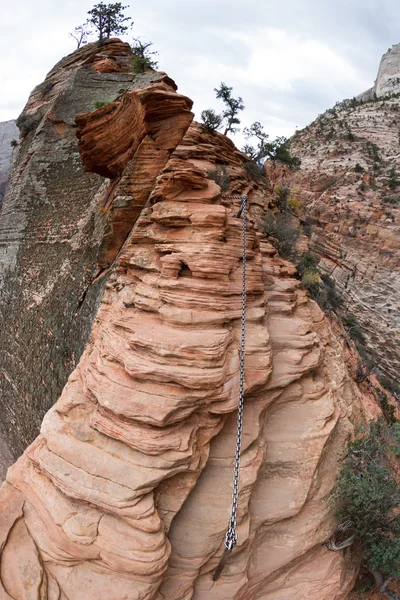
(289, 60)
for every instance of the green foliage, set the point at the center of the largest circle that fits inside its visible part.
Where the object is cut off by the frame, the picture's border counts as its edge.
(374, 153)
(109, 19)
(43, 88)
(329, 296)
(27, 123)
(283, 193)
(281, 227)
(308, 262)
(310, 281)
(254, 170)
(307, 226)
(100, 103)
(354, 329)
(211, 121)
(221, 177)
(363, 187)
(275, 150)
(390, 385)
(142, 60)
(387, 408)
(14, 143)
(232, 107)
(393, 181)
(367, 493)
(391, 200)
(358, 168)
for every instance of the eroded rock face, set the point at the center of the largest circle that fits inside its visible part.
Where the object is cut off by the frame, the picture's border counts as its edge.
(55, 222)
(347, 190)
(126, 492)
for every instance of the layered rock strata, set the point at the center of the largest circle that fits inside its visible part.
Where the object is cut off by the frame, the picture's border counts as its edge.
(55, 221)
(126, 492)
(349, 187)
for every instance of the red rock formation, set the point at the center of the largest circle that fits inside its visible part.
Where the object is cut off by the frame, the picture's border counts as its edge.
(126, 492)
(56, 218)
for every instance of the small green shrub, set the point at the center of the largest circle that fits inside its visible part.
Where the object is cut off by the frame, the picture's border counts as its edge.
(221, 177)
(14, 143)
(354, 329)
(390, 385)
(254, 170)
(27, 123)
(387, 408)
(367, 493)
(307, 262)
(310, 281)
(281, 227)
(307, 226)
(143, 57)
(391, 200)
(211, 121)
(358, 168)
(44, 87)
(283, 194)
(393, 181)
(100, 103)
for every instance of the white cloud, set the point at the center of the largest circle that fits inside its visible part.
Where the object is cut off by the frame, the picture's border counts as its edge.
(289, 61)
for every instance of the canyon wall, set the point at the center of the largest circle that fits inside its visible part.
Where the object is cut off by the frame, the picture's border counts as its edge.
(126, 492)
(52, 224)
(349, 189)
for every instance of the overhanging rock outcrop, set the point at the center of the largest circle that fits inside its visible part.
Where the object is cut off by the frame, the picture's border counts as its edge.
(126, 491)
(54, 223)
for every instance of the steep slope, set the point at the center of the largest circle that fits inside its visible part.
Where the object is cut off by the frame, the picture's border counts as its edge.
(126, 492)
(349, 186)
(8, 132)
(52, 225)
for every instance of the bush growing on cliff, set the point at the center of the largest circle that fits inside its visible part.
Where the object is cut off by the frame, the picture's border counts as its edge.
(143, 57)
(27, 123)
(393, 181)
(367, 498)
(275, 150)
(254, 170)
(353, 327)
(221, 177)
(211, 121)
(281, 227)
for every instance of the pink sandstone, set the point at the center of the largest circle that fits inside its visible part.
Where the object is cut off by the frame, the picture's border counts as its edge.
(125, 494)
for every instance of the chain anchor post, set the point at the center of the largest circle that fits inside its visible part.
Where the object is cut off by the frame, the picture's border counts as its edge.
(231, 535)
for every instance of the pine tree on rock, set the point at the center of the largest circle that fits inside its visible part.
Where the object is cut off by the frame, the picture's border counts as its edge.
(109, 19)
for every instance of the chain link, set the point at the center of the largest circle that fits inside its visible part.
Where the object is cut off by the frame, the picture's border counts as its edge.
(231, 535)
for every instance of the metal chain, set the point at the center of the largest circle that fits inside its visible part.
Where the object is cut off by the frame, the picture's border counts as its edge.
(231, 535)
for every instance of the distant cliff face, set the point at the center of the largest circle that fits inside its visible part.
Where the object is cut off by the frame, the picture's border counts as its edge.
(8, 132)
(126, 491)
(52, 226)
(349, 184)
(388, 79)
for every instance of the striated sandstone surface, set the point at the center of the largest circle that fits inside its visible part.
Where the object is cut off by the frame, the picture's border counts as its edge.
(347, 191)
(55, 222)
(8, 132)
(126, 491)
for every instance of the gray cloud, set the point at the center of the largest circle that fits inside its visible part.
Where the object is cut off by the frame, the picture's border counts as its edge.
(288, 60)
